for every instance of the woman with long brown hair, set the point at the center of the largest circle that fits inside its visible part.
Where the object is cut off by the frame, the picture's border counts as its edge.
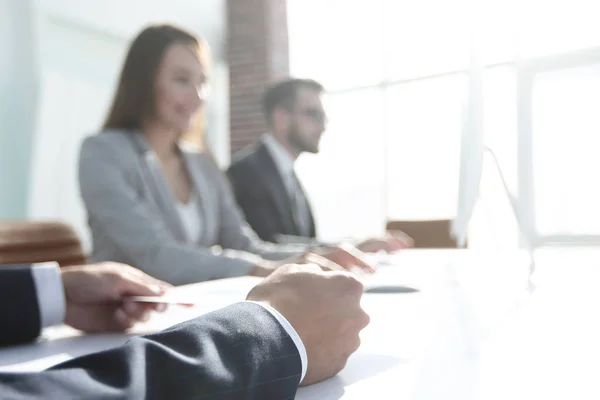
(153, 200)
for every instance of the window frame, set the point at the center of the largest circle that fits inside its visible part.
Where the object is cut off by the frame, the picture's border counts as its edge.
(527, 69)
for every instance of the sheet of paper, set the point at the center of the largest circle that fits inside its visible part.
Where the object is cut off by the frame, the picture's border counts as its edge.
(175, 299)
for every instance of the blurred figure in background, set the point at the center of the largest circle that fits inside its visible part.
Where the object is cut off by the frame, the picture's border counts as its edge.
(156, 202)
(263, 178)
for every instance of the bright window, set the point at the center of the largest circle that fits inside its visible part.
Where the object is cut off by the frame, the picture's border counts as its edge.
(396, 73)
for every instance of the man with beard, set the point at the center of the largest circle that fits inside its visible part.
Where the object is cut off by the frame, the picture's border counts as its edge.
(263, 178)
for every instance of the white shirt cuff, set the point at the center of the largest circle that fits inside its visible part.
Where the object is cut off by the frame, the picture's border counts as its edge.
(50, 293)
(290, 331)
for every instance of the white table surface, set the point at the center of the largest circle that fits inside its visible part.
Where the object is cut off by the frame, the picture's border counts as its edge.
(476, 330)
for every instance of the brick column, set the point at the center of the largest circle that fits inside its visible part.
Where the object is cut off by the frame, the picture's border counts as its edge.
(257, 55)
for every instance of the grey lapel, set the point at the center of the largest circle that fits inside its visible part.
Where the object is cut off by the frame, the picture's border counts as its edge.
(158, 186)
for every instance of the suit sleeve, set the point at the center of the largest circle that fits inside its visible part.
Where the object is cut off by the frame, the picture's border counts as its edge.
(19, 310)
(239, 352)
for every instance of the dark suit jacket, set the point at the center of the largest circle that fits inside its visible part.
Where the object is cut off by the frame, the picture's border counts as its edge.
(262, 196)
(19, 311)
(239, 352)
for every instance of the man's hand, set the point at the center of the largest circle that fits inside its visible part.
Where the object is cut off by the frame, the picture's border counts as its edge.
(342, 257)
(346, 256)
(390, 242)
(94, 296)
(264, 270)
(324, 309)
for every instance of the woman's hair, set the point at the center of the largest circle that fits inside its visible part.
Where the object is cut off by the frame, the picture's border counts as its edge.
(134, 99)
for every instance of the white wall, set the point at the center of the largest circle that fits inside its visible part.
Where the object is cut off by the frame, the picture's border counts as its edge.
(64, 60)
(124, 18)
(18, 91)
(78, 70)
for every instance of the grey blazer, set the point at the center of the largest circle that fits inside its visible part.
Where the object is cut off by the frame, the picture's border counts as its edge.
(133, 218)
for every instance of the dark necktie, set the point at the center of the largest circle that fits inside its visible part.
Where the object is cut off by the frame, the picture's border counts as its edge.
(299, 206)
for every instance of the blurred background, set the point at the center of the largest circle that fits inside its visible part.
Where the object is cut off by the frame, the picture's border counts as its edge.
(397, 75)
